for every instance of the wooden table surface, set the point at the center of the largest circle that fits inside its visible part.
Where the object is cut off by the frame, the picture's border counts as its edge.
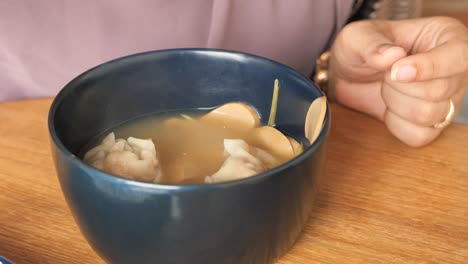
(382, 202)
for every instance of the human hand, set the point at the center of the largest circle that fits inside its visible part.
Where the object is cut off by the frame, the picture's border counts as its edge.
(402, 72)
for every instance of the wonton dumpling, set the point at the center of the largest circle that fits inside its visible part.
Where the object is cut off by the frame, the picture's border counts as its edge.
(132, 158)
(241, 161)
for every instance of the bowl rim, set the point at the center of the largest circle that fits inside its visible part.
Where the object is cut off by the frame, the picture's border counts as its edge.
(72, 158)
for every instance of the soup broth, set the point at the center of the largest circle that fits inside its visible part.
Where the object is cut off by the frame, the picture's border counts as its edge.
(187, 149)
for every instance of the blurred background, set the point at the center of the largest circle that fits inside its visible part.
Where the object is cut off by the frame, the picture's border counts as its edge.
(401, 9)
(453, 8)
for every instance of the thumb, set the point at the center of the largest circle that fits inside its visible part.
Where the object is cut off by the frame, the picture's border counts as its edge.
(371, 43)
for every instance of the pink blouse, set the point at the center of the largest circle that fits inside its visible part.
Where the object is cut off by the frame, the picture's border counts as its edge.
(45, 44)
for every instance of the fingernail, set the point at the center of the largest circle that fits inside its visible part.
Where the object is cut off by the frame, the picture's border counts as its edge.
(405, 73)
(385, 48)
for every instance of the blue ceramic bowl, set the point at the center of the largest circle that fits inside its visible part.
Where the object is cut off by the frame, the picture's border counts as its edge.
(254, 220)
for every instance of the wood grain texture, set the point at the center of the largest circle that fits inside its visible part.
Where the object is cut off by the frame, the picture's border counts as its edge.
(381, 202)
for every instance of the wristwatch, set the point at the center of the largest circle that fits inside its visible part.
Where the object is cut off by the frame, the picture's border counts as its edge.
(366, 9)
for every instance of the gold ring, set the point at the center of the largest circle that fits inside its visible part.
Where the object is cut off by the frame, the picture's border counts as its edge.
(448, 117)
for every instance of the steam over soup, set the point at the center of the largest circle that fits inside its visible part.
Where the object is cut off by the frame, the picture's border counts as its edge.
(196, 147)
